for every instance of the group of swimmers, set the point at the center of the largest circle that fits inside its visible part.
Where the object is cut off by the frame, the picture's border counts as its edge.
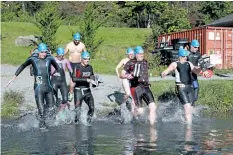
(136, 85)
(49, 77)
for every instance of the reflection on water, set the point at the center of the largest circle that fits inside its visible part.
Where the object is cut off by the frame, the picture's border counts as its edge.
(205, 137)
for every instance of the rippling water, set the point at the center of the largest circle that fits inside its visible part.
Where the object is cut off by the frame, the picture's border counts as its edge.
(207, 136)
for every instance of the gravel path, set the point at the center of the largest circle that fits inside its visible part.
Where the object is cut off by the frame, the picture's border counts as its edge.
(111, 86)
(24, 83)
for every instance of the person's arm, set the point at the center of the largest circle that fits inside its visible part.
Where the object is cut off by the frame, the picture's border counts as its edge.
(53, 71)
(19, 70)
(68, 65)
(125, 72)
(121, 63)
(55, 65)
(92, 74)
(170, 68)
(194, 69)
(126, 75)
(93, 79)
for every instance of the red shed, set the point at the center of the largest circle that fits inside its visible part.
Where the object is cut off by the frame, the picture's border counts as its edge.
(217, 42)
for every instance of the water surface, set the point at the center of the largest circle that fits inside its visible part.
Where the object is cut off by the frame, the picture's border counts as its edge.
(206, 136)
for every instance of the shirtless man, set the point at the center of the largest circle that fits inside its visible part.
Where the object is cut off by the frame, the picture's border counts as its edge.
(74, 48)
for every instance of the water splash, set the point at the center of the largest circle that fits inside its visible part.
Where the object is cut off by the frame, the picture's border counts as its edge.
(126, 115)
(168, 110)
(28, 122)
(171, 110)
(64, 117)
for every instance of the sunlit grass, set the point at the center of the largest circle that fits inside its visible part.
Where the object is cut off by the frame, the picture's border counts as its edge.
(116, 40)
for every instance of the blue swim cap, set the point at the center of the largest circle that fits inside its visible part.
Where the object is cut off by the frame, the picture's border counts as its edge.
(85, 54)
(42, 47)
(138, 50)
(182, 52)
(77, 36)
(195, 43)
(60, 51)
(129, 50)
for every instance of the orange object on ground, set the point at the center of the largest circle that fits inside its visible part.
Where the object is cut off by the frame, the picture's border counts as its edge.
(210, 74)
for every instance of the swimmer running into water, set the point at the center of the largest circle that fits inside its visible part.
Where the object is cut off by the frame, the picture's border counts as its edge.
(125, 82)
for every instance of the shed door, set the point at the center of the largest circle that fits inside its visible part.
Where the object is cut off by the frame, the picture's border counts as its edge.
(228, 48)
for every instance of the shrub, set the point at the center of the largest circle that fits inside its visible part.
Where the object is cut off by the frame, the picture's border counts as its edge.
(11, 101)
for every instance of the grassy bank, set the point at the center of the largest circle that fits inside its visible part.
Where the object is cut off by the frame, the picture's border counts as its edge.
(217, 94)
(223, 71)
(116, 40)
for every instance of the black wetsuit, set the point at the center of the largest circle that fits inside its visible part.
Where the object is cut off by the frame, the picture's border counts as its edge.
(184, 88)
(42, 84)
(139, 85)
(82, 89)
(59, 80)
(195, 58)
(74, 64)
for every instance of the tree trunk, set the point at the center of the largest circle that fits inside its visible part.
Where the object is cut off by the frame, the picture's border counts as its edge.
(23, 7)
(138, 25)
(149, 21)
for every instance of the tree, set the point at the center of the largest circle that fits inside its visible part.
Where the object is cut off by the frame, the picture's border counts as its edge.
(72, 11)
(14, 11)
(48, 20)
(213, 10)
(109, 10)
(142, 13)
(174, 19)
(33, 7)
(8, 10)
(88, 27)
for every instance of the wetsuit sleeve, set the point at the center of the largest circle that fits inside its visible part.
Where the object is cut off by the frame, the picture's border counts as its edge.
(76, 77)
(126, 67)
(21, 68)
(92, 74)
(55, 65)
(68, 65)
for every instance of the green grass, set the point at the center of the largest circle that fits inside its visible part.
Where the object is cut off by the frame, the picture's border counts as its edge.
(11, 102)
(217, 94)
(116, 40)
(223, 71)
(10, 31)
